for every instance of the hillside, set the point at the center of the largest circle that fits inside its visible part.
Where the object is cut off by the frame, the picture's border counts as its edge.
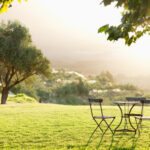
(94, 67)
(71, 87)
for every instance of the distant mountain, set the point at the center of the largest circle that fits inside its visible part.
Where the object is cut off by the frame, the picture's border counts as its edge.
(85, 67)
(95, 67)
(141, 81)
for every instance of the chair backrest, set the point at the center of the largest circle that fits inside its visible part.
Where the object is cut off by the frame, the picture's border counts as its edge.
(145, 101)
(139, 99)
(95, 101)
(135, 98)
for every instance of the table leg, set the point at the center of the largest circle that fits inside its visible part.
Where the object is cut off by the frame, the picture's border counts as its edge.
(130, 118)
(121, 118)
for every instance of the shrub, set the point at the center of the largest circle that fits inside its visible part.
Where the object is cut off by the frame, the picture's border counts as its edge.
(21, 98)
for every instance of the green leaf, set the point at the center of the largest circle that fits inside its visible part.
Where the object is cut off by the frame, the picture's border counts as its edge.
(103, 28)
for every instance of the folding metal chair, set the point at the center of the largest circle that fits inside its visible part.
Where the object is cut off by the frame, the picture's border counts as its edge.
(141, 118)
(136, 99)
(102, 117)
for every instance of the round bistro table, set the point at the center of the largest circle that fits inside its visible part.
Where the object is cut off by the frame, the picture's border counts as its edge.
(126, 114)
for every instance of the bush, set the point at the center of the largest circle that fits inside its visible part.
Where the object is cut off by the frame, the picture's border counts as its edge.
(129, 87)
(71, 100)
(21, 98)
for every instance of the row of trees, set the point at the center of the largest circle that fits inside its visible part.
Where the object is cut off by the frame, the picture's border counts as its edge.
(66, 88)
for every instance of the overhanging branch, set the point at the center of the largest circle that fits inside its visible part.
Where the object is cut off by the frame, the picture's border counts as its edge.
(18, 81)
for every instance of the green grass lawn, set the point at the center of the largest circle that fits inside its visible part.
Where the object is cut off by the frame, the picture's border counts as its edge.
(50, 126)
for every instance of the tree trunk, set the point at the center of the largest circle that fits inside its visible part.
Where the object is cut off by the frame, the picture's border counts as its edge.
(4, 96)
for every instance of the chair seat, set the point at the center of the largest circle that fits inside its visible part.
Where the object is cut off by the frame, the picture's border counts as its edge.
(143, 118)
(133, 114)
(105, 117)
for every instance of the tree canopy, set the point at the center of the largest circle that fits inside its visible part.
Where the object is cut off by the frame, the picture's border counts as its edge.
(135, 21)
(19, 58)
(4, 4)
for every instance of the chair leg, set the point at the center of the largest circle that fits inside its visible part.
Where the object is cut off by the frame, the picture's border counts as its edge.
(98, 126)
(141, 125)
(138, 125)
(108, 126)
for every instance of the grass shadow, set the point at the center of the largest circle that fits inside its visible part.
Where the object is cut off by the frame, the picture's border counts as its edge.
(129, 140)
(92, 139)
(121, 141)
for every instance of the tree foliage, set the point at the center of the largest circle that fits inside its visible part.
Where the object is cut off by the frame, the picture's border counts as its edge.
(135, 20)
(75, 88)
(108, 75)
(5, 4)
(19, 59)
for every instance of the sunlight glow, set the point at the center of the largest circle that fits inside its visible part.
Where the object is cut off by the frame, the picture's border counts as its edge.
(67, 30)
(86, 15)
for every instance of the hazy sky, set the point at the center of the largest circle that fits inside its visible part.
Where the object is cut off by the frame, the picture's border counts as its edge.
(67, 30)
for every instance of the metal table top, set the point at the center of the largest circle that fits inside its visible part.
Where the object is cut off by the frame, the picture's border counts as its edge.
(125, 102)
